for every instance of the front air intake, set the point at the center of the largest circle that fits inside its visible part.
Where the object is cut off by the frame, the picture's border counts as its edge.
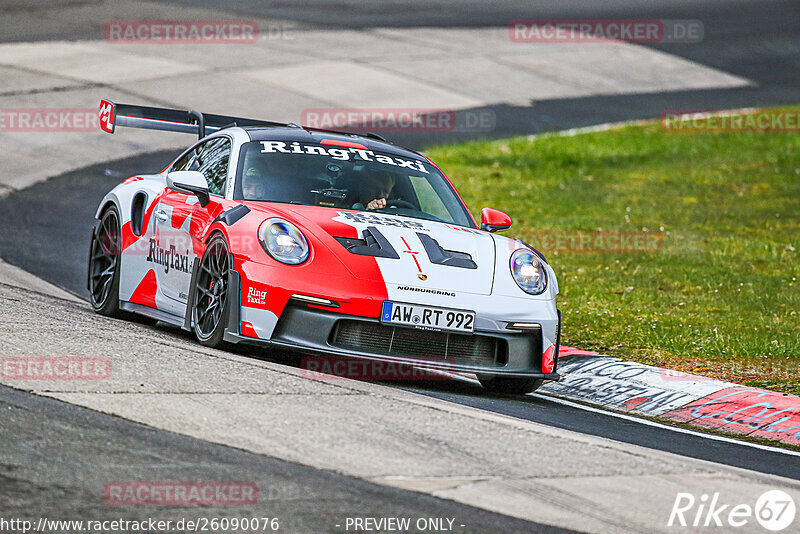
(463, 349)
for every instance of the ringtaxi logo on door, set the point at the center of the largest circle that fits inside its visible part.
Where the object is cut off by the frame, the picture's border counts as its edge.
(774, 510)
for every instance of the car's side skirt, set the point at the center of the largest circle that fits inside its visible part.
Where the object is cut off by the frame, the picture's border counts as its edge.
(153, 313)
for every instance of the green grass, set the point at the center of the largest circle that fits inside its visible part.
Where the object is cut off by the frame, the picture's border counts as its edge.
(721, 296)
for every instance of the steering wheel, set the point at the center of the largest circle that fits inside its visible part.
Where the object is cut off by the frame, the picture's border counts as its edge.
(400, 203)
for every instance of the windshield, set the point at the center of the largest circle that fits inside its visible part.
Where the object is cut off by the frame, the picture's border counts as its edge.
(350, 178)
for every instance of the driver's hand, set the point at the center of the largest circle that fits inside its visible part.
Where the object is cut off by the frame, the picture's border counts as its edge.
(376, 204)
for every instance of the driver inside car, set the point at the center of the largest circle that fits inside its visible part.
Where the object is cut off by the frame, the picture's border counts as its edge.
(375, 190)
(254, 184)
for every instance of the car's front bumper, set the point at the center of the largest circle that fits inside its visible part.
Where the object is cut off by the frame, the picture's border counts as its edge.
(316, 331)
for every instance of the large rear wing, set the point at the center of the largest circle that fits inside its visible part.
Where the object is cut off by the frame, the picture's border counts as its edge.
(169, 120)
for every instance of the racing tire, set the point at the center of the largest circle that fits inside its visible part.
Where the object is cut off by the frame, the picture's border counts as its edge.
(510, 385)
(104, 262)
(210, 294)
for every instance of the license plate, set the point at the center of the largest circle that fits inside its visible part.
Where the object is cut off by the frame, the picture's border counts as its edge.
(427, 317)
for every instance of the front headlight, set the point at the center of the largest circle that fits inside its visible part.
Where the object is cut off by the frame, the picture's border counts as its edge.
(528, 271)
(283, 241)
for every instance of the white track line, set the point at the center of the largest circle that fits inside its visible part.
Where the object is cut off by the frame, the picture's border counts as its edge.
(649, 422)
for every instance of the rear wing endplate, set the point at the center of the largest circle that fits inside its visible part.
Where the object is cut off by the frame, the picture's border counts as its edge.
(169, 120)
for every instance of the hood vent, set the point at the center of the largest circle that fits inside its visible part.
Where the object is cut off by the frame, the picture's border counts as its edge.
(374, 244)
(451, 258)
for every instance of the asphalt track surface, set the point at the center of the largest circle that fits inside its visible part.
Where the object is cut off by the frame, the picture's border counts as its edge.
(65, 474)
(759, 40)
(756, 39)
(45, 231)
(552, 413)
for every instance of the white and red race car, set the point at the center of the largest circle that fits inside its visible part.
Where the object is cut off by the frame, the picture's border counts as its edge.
(330, 243)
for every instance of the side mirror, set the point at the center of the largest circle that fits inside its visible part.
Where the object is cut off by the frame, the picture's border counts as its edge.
(189, 182)
(494, 220)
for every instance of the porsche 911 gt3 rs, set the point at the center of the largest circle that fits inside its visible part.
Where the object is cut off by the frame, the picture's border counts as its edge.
(324, 242)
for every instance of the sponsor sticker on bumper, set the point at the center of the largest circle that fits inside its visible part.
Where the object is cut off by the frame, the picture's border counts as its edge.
(427, 317)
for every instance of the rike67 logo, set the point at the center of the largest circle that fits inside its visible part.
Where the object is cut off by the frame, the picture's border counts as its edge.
(774, 510)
